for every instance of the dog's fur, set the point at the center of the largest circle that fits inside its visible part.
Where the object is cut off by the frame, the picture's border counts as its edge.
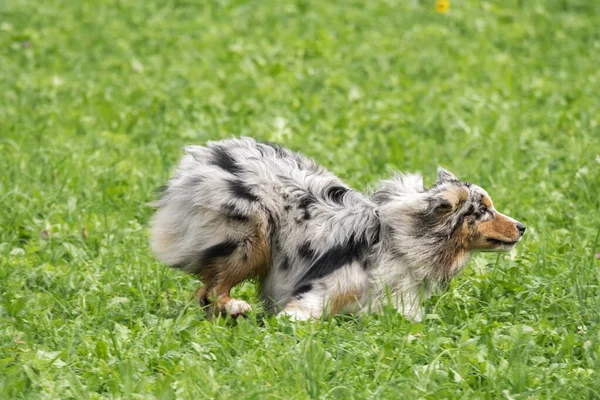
(239, 209)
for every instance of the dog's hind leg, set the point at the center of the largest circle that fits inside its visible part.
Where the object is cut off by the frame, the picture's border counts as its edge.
(248, 257)
(215, 294)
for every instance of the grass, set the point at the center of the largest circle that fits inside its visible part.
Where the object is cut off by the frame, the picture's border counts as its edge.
(98, 97)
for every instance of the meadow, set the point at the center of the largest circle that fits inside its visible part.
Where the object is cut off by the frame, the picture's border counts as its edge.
(98, 97)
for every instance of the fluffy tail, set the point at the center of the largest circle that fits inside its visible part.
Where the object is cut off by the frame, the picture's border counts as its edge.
(209, 219)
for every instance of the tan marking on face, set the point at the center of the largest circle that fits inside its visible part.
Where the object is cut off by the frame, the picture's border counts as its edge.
(487, 201)
(457, 254)
(498, 228)
(501, 228)
(464, 194)
(464, 235)
(455, 195)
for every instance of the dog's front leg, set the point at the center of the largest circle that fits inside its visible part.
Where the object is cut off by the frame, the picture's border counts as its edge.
(409, 305)
(414, 314)
(302, 308)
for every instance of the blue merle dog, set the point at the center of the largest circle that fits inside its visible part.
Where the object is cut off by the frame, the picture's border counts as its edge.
(240, 209)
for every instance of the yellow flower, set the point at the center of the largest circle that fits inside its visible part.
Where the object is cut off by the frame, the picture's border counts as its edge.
(442, 6)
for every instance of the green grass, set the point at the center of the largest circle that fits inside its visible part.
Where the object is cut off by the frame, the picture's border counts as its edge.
(98, 97)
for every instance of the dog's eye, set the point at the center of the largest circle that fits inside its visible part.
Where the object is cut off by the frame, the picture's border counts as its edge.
(483, 210)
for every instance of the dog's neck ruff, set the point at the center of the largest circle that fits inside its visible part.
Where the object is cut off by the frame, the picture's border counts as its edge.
(409, 262)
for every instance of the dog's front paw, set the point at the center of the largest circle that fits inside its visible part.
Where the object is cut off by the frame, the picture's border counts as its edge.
(295, 315)
(236, 308)
(295, 312)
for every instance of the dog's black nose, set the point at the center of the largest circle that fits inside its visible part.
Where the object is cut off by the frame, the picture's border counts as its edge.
(521, 228)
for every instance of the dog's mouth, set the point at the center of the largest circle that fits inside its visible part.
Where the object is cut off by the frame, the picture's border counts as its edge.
(502, 244)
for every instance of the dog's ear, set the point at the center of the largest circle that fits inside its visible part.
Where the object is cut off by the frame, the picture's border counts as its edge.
(445, 176)
(440, 205)
(449, 199)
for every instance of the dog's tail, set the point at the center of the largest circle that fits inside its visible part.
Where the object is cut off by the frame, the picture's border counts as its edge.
(208, 218)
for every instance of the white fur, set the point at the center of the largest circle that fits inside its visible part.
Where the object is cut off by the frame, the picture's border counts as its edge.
(235, 307)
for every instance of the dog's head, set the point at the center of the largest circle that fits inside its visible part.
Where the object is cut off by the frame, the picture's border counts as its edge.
(434, 230)
(466, 214)
(451, 215)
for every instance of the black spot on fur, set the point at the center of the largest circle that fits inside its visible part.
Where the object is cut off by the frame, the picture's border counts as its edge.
(306, 201)
(336, 194)
(225, 161)
(305, 251)
(355, 249)
(233, 213)
(285, 265)
(221, 250)
(300, 290)
(306, 215)
(242, 191)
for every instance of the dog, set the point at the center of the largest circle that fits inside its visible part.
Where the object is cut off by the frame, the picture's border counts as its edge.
(239, 209)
